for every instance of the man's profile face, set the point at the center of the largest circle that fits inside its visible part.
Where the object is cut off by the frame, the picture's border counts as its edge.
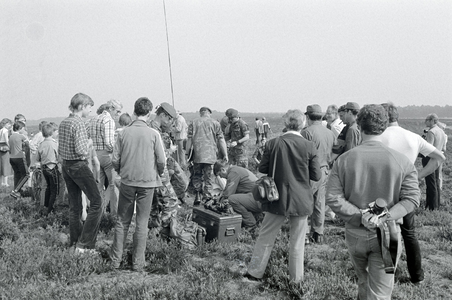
(86, 110)
(115, 113)
(223, 173)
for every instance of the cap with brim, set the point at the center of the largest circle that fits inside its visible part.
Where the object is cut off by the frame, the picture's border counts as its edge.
(205, 108)
(169, 109)
(314, 109)
(352, 105)
(233, 113)
(341, 108)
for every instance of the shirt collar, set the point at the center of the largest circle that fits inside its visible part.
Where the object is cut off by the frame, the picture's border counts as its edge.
(292, 132)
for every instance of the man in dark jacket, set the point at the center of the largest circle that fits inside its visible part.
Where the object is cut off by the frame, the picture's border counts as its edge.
(293, 160)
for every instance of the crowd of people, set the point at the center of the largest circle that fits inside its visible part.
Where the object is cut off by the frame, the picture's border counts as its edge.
(335, 163)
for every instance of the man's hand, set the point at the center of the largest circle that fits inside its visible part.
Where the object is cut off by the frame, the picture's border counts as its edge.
(367, 219)
(233, 144)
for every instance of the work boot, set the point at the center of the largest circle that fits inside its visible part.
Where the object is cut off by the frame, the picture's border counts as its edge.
(197, 199)
(317, 238)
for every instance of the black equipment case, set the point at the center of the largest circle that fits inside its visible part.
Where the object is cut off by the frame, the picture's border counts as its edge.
(224, 228)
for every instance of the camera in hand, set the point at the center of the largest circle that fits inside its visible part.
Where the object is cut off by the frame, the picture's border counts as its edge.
(379, 207)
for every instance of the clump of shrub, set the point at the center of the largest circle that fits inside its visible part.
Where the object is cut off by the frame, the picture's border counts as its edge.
(8, 228)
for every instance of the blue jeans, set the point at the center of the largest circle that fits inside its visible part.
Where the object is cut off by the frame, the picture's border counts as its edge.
(412, 249)
(128, 196)
(52, 178)
(365, 254)
(78, 178)
(106, 170)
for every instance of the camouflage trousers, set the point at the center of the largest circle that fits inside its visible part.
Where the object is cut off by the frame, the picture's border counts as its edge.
(202, 179)
(179, 179)
(164, 204)
(238, 157)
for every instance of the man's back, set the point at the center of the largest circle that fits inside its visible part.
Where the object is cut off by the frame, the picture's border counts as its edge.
(205, 132)
(406, 142)
(239, 181)
(372, 171)
(323, 140)
(436, 137)
(141, 155)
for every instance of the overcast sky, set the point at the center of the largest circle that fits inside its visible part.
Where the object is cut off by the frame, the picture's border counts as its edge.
(255, 56)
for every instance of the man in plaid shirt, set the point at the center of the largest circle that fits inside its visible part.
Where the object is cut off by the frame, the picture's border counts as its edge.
(73, 150)
(102, 132)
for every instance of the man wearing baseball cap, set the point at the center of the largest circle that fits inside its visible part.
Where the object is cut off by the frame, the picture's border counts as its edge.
(205, 137)
(323, 139)
(237, 134)
(164, 205)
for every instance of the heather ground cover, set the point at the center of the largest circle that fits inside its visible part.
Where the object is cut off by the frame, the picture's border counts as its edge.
(36, 263)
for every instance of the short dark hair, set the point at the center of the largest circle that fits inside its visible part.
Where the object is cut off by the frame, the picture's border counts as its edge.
(218, 165)
(42, 123)
(47, 130)
(392, 112)
(18, 117)
(372, 119)
(101, 108)
(80, 99)
(125, 119)
(142, 106)
(18, 125)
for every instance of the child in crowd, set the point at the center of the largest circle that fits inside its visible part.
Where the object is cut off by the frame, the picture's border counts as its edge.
(5, 166)
(18, 142)
(47, 155)
(124, 121)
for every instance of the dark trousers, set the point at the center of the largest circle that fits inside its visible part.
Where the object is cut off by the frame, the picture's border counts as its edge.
(52, 177)
(412, 249)
(433, 192)
(78, 178)
(19, 166)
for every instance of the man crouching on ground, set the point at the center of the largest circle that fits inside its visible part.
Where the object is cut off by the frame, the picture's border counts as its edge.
(360, 176)
(139, 158)
(239, 192)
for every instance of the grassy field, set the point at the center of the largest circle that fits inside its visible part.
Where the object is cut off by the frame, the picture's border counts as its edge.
(36, 263)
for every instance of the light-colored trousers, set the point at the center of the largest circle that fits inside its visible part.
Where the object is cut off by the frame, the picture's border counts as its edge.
(270, 228)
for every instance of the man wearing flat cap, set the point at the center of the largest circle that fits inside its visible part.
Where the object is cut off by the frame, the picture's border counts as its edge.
(323, 139)
(237, 134)
(205, 137)
(164, 204)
